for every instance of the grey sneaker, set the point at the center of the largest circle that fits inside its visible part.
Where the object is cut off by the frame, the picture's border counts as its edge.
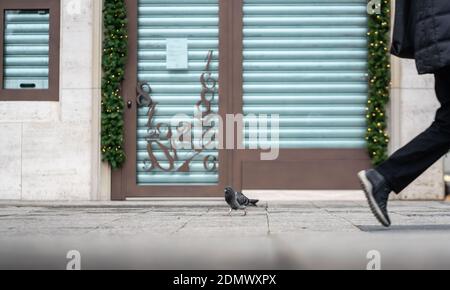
(377, 192)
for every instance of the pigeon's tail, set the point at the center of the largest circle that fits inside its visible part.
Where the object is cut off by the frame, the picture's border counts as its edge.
(253, 202)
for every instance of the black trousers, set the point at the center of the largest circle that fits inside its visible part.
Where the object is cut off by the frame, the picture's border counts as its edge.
(408, 163)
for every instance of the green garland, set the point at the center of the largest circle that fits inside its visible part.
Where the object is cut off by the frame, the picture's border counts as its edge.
(115, 46)
(379, 83)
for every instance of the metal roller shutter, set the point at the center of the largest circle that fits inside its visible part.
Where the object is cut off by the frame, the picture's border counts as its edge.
(307, 61)
(176, 92)
(26, 49)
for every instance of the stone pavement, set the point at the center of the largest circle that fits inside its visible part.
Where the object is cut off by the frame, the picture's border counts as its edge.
(209, 218)
(176, 233)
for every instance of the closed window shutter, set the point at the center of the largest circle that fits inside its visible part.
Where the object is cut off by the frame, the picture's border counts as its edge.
(307, 61)
(26, 50)
(175, 91)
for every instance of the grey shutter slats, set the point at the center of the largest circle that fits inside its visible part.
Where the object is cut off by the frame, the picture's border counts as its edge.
(307, 61)
(26, 51)
(176, 92)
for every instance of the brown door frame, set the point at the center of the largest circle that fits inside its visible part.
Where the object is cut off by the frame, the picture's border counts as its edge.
(124, 183)
(295, 169)
(308, 169)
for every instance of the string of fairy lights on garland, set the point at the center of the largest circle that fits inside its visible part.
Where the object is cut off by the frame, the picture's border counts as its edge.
(379, 73)
(115, 44)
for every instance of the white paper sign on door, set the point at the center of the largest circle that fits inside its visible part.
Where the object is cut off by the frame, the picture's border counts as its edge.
(177, 54)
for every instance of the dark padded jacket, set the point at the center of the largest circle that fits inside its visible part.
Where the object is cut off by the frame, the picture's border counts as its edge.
(422, 32)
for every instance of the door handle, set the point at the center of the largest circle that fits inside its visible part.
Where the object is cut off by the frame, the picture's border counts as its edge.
(129, 104)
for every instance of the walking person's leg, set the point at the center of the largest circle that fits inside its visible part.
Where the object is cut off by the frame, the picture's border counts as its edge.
(408, 163)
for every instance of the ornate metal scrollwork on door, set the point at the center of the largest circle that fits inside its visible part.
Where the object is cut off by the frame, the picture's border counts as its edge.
(160, 136)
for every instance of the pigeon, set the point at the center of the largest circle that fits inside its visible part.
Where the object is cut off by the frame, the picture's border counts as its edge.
(238, 201)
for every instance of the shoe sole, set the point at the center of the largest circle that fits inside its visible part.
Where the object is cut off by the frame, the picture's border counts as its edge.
(376, 210)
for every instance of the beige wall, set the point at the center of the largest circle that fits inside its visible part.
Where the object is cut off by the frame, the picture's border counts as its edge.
(47, 149)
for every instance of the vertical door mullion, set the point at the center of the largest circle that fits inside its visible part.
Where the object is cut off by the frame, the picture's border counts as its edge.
(237, 95)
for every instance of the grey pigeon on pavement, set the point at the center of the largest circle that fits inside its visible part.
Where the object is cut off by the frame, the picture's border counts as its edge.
(238, 201)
